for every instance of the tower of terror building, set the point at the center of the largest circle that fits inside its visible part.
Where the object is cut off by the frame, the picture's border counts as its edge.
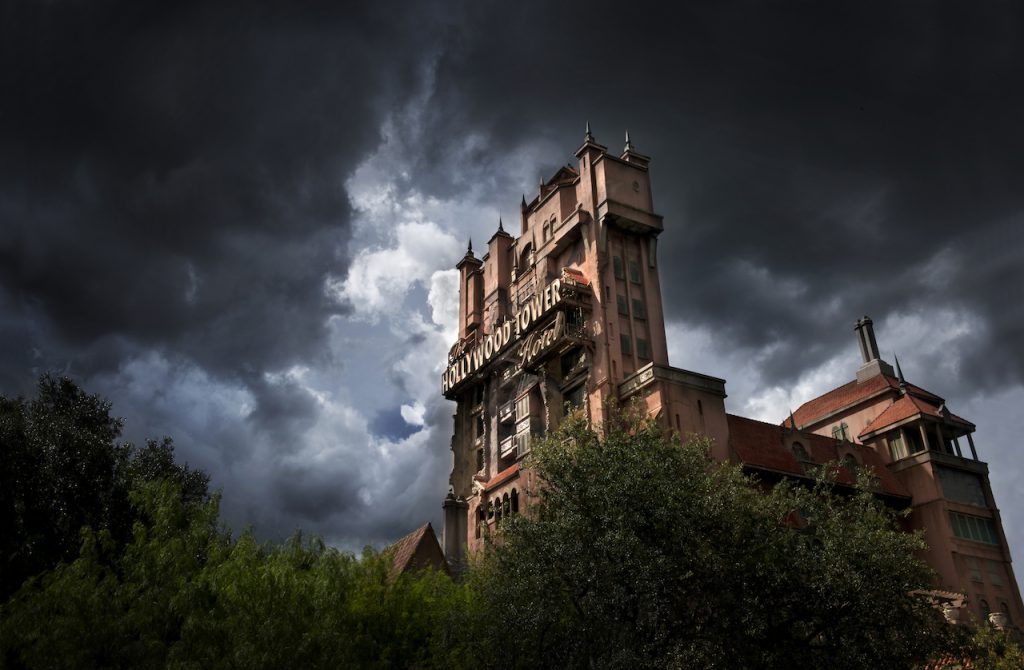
(568, 314)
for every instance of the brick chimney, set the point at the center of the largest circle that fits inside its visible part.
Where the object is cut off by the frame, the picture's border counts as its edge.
(873, 365)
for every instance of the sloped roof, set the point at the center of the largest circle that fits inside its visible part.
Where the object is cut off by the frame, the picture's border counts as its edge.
(852, 393)
(406, 548)
(502, 477)
(767, 446)
(904, 408)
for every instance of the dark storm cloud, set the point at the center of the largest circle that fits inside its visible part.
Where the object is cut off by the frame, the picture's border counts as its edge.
(172, 197)
(835, 147)
(174, 174)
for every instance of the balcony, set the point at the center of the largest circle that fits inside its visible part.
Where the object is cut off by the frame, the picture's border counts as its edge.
(507, 446)
(507, 412)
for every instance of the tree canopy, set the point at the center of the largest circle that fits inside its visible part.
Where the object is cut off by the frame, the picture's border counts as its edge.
(62, 469)
(643, 552)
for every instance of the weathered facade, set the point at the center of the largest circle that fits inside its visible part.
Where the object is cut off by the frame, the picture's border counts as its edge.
(569, 314)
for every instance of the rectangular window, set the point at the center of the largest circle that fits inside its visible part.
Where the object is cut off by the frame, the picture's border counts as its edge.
(995, 573)
(574, 397)
(913, 435)
(623, 305)
(617, 265)
(639, 312)
(897, 449)
(972, 568)
(642, 350)
(627, 345)
(974, 528)
(963, 487)
(523, 408)
(522, 443)
(634, 272)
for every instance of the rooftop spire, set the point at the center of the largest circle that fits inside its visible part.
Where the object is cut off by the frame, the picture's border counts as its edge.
(899, 374)
(501, 228)
(792, 421)
(523, 204)
(588, 137)
(469, 247)
(629, 145)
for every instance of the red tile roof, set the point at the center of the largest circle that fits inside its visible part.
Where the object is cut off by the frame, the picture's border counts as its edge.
(502, 477)
(851, 394)
(768, 447)
(406, 547)
(904, 408)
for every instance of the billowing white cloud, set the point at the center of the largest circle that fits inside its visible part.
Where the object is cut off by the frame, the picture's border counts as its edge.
(379, 278)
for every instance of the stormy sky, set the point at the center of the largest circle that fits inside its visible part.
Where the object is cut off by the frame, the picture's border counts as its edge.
(237, 221)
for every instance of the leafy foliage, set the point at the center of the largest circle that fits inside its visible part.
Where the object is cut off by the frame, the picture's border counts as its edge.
(182, 594)
(993, 649)
(642, 552)
(62, 470)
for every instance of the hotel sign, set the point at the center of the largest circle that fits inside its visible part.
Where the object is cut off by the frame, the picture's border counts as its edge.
(508, 332)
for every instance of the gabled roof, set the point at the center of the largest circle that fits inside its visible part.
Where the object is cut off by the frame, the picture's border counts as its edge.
(906, 407)
(407, 549)
(851, 394)
(768, 447)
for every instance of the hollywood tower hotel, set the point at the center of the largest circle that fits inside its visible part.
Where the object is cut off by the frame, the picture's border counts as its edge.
(569, 313)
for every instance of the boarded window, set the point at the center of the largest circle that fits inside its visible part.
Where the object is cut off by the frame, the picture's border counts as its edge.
(963, 487)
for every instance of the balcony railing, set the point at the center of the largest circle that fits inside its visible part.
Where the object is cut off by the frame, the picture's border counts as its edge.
(507, 446)
(507, 412)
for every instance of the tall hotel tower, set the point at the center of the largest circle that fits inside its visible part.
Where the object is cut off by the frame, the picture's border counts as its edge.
(568, 314)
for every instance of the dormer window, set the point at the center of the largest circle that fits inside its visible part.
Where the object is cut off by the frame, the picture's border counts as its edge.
(841, 432)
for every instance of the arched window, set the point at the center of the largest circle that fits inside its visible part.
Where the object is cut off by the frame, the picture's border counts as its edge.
(983, 606)
(1006, 610)
(497, 512)
(490, 510)
(506, 506)
(515, 501)
(481, 519)
(526, 258)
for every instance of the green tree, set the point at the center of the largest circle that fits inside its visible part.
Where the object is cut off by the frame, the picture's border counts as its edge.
(183, 594)
(62, 469)
(642, 552)
(993, 649)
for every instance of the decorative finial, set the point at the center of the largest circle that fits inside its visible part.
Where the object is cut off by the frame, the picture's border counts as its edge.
(523, 204)
(588, 137)
(899, 372)
(469, 248)
(501, 228)
(629, 145)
